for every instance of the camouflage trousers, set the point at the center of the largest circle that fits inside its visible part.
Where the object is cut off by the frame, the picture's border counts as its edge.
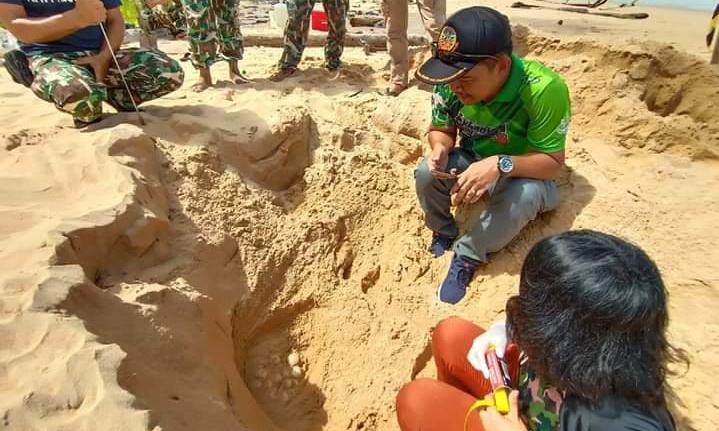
(298, 28)
(171, 17)
(73, 89)
(214, 31)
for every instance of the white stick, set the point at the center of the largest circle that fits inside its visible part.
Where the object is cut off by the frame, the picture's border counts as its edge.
(122, 75)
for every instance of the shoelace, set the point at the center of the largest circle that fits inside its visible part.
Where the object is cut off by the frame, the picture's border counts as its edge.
(463, 273)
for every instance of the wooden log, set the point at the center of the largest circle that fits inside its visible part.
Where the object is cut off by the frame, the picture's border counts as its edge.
(584, 11)
(365, 21)
(715, 51)
(633, 15)
(594, 5)
(376, 41)
(520, 5)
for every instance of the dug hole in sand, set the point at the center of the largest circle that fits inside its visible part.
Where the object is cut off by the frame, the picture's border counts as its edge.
(256, 259)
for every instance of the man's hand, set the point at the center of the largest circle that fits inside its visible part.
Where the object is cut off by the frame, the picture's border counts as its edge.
(441, 142)
(475, 181)
(437, 160)
(99, 63)
(492, 420)
(88, 13)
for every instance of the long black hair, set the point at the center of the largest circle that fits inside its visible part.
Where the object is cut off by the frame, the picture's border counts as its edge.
(591, 315)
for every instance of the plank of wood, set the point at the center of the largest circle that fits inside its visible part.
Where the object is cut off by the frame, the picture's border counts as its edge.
(377, 42)
(594, 5)
(582, 10)
(715, 51)
(365, 21)
(632, 15)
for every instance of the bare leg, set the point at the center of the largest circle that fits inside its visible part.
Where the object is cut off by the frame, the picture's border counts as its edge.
(204, 82)
(235, 75)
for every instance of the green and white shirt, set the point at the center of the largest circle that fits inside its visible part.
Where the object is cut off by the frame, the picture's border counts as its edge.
(530, 114)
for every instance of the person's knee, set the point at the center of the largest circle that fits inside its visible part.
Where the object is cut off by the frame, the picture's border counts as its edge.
(448, 333)
(166, 70)
(413, 401)
(522, 194)
(423, 179)
(176, 75)
(76, 91)
(81, 98)
(535, 196)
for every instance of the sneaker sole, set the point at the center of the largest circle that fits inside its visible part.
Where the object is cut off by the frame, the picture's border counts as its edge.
(440, 299)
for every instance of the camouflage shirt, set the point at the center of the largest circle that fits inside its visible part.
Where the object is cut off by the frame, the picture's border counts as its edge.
(540, 401)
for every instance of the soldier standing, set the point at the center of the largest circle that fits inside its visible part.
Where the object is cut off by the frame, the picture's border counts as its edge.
(396, 15)
(298, 28)
(213, 27)
(157, 14)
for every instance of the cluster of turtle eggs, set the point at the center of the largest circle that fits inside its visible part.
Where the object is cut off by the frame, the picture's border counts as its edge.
(278, 379)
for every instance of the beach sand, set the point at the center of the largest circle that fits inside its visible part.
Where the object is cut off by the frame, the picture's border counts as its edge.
(254, 258)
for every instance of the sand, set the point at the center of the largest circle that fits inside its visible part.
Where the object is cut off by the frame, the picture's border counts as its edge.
(254, 257)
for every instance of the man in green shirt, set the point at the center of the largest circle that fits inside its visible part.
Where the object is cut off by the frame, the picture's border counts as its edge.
(510, 117)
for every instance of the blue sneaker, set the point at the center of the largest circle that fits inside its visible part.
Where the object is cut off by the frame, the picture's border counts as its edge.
(440, 244)
(454, 286)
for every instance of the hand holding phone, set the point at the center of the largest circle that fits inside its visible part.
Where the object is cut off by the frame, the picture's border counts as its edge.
(441, 175)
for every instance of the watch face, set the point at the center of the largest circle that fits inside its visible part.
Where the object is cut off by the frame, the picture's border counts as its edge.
(506, 164)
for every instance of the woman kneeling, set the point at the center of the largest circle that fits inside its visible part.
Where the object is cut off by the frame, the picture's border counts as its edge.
(587, 351)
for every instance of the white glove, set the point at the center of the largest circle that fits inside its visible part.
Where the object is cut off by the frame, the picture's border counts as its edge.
(496, 335)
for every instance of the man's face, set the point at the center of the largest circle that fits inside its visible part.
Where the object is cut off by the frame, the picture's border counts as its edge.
(483, 81)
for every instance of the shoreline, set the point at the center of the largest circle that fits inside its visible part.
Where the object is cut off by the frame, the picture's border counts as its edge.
(661, 26)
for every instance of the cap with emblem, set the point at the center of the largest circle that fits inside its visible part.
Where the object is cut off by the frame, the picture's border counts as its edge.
(467, 37)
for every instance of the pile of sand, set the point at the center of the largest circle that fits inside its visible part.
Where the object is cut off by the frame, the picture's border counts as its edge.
(254, 258)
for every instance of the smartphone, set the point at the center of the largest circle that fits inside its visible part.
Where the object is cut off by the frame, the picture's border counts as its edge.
(441, 175)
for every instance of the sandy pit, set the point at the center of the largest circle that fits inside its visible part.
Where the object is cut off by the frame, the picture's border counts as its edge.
(254, 257)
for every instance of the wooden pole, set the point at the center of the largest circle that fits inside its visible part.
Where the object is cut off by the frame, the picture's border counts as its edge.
(715, 50)
(315, 40)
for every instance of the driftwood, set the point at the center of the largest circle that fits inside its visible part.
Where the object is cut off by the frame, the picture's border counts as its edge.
(365, 21)
(715, 51)
(520, 5)
(374, 41)
(596, 4)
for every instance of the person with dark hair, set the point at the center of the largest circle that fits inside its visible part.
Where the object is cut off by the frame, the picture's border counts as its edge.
(587, 352)
(510, 117)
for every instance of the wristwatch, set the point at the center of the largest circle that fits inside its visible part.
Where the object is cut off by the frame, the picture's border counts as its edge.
(505, 165)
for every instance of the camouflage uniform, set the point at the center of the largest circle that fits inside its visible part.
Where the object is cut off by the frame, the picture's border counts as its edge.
(298, 28)
(213, 25)
(540, 401)
(170, 16)
(73, 89)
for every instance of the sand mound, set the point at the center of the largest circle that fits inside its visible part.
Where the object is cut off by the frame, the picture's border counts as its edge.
(257, 261)
(678, 93)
